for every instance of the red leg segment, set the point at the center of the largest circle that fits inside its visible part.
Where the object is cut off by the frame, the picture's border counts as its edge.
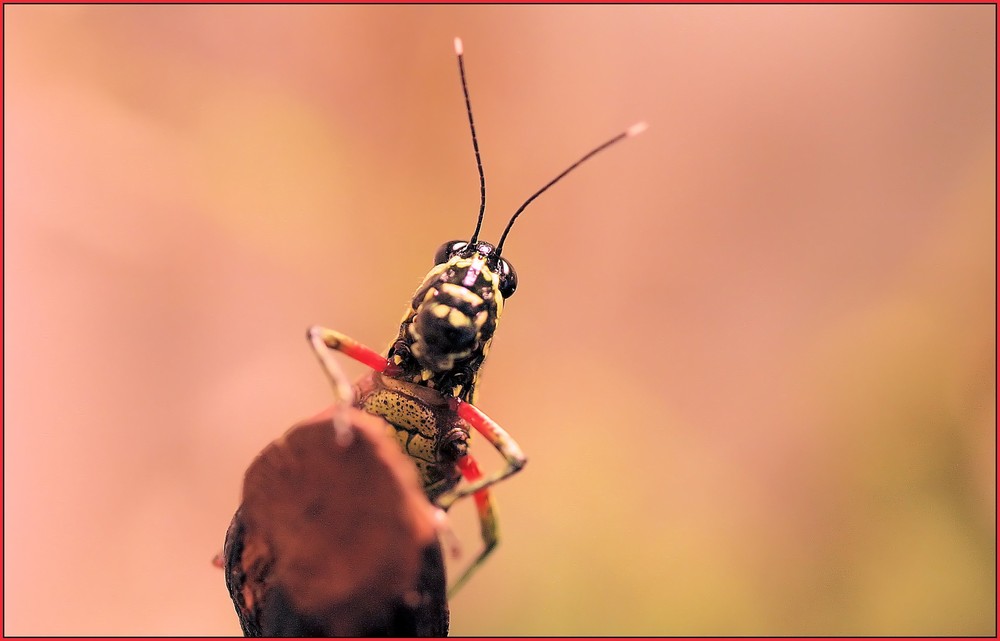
(488, 525)
(470, 470)
(498, 437)
(350, 348)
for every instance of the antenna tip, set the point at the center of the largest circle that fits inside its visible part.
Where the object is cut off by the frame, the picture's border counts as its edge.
(636, 129)
(458, 46)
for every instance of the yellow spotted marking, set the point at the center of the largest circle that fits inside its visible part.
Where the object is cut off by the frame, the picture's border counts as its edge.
(461, 294)
(457, 319)
(416, 446)
(401, 410)
(417, 348)
(436, 271)
(441, 311)
(425, 470)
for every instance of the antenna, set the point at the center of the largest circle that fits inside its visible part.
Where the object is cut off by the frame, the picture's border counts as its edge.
(475, 143)
(634, 130)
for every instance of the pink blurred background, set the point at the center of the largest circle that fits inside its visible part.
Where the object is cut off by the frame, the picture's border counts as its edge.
(751, 358)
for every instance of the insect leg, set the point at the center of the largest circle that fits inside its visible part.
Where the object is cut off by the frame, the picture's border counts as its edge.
(321, 339)
(347, 346)
(498, 437)
(488, 522)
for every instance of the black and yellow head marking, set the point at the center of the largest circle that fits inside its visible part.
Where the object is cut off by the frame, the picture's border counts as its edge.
(446, 332)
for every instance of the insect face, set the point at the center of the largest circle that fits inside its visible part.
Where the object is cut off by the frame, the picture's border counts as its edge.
(456, 309)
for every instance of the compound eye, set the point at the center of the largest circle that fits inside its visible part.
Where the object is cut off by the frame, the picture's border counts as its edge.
(508, 278)
(448, 250)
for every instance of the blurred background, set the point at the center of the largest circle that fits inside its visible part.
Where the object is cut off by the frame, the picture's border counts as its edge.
(752, 356)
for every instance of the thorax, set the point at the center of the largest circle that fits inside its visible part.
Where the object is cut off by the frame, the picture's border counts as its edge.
(423, 422)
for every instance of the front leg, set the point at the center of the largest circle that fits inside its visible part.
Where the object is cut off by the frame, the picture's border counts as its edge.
(489, 526)
(347, 346)
(322, 341)
(498, 437)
